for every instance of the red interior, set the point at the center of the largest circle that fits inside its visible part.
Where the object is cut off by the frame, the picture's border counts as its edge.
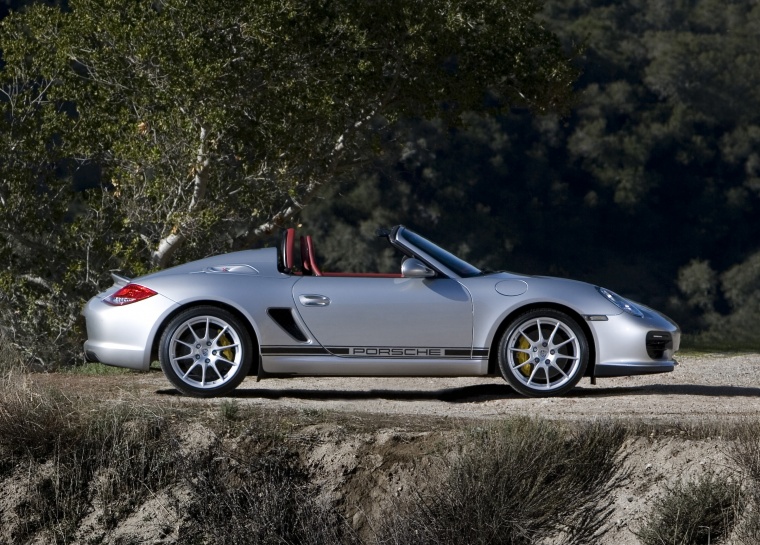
(307, 255)
(309, 262)
(290, 240)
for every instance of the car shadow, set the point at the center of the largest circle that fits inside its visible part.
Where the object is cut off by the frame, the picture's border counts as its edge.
(465, 394)
(668, 389)
(484, 392)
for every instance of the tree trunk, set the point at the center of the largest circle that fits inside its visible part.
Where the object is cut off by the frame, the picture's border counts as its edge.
(167, 246)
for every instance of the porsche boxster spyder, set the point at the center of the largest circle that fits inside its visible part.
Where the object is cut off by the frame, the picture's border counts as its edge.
(273, 312)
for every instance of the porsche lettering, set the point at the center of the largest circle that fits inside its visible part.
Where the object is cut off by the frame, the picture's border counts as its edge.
(395, 351)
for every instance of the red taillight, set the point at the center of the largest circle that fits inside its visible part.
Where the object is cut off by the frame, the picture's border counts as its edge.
(131, 293)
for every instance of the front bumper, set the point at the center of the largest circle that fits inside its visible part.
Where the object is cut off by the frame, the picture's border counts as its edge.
(628, 345)
(123, 336)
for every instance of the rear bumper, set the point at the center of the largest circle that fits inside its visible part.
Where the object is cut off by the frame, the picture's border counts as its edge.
(123, 336)
(132, 357)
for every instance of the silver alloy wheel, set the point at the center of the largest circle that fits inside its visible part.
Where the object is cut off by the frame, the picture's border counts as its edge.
(543, 353)
(205, 351)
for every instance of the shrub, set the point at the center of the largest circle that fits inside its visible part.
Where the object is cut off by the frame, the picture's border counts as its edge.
(67, 443)
(250, 497)
(10, 361)
(746, 456)
(700, 511)
(77, 452)
(519, 482)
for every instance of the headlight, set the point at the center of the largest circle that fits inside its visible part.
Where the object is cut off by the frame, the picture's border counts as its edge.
(620, 302)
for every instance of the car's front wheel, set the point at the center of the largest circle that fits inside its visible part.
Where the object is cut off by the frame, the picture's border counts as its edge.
(543, 352)
(205, 351)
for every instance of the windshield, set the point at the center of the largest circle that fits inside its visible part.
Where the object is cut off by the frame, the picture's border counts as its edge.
(449, 260)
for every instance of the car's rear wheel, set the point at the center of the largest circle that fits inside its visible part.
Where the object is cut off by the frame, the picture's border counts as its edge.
(543, 352)
(205, 351)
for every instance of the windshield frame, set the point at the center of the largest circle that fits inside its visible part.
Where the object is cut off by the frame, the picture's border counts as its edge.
(434, 255)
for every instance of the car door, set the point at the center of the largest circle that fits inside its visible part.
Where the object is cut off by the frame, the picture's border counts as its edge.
(387, 317)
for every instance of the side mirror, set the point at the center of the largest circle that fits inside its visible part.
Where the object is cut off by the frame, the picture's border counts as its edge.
(414, 268)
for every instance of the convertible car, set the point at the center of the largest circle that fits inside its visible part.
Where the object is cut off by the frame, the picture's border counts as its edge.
(273, 312)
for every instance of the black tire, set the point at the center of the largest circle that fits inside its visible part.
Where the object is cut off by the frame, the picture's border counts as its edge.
(543, 352)
(205, 351)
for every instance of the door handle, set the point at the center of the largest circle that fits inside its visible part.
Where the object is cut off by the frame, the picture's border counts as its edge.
(314, 300)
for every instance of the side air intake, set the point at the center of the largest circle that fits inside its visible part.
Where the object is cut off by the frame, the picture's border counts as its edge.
(283, 317)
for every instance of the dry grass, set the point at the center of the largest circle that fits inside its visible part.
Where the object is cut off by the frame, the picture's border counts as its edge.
(701, 511)
(746, 456)
(516, 481)
(75, 449)
(78, 452)
(258, 496)
(519, 482)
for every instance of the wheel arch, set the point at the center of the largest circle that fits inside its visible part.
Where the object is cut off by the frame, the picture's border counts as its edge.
(493, 352)
(229, 308)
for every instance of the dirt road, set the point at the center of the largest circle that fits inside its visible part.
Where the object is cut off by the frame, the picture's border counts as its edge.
(703, 387)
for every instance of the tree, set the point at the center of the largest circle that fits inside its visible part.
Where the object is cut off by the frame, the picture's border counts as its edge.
(656, 168)
(173, 129)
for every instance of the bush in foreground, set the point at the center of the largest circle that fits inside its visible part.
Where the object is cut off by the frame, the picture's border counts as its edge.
(514, 482)
(250, 497)
(746, 457)
(76, 453)
(701, 511)
(519, 482)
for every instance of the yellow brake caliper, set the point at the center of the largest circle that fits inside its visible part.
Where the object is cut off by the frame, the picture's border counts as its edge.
(522, 357)
(224, 341)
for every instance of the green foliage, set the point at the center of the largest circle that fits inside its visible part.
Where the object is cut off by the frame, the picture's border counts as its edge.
(698, 282)
(656, 168)
(11, 362)
(136, 135)
(229, 410)
(738, 288)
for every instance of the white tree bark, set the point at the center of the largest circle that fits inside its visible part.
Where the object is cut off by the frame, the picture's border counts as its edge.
(168, 245)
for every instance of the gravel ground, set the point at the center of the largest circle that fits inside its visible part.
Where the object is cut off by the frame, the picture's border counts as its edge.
(703, 387)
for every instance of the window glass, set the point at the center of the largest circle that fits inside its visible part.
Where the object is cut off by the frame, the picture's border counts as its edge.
(459, 266)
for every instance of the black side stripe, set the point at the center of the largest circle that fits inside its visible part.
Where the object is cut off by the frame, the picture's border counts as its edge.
(293, 351)
(456, 353)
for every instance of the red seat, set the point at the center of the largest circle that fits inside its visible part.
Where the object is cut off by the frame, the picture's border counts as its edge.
(285, 251)
(309, 260)
(309, 256)
(305, 260)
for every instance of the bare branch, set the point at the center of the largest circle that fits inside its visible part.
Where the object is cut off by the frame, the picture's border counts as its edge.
(168, 245)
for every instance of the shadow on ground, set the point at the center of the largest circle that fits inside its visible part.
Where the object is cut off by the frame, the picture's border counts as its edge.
(479, 392)
(672, 389)
(484, 392)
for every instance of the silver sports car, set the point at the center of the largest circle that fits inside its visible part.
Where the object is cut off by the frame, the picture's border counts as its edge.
(273, 313)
